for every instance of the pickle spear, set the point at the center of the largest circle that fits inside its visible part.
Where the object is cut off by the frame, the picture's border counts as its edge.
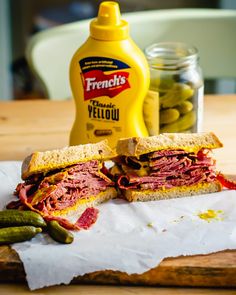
(59, 233)
(183, 123)
(12, 217)
(10, 235)
(168, 116)
(185, 107)
(176, 95)
(151, 112)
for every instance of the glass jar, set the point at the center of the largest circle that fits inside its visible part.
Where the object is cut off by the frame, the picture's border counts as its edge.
(177, 77)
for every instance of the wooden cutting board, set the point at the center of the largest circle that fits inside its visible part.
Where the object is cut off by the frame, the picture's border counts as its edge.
(214, 270)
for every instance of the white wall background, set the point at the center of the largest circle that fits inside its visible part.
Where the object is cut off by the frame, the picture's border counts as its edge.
(228, 4)
(227, 86)
(5, 52)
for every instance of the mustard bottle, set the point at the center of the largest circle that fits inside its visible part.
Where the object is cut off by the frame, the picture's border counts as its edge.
(109, 78)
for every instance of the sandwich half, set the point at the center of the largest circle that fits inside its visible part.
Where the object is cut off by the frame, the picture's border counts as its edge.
(59, 181)
(170, 165)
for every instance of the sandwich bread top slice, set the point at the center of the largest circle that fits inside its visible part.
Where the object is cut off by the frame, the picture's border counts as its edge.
(40, 162)
(189, 142)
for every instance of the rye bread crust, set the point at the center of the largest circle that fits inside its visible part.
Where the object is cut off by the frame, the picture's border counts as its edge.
(40, 162)
(191, 142)
(133, 195)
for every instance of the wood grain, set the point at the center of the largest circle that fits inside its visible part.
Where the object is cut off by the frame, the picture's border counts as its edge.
(217, 269)
(26, 126)
(108, 290)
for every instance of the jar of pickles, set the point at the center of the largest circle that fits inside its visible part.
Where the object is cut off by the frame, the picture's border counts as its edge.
(177, 77)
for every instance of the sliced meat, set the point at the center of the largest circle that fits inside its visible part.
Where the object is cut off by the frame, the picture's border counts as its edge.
(124, 183)
(159, 163)
(166, 153)
(64, 188)
(85, 221)
(88, 218)
(172, 168)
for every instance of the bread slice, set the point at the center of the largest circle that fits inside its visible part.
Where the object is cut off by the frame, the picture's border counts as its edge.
(40, 162)
(190, 142)
(177, 192)
(91, 201)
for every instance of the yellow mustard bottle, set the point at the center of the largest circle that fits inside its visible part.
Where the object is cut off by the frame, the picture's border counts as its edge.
(109, 78)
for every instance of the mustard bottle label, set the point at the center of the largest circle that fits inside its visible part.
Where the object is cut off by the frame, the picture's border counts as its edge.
(102, 76)
(108, 101)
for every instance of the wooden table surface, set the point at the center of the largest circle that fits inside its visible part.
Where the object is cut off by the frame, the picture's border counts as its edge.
(26, 126)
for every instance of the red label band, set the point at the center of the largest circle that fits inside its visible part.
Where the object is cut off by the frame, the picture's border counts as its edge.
(96, 83)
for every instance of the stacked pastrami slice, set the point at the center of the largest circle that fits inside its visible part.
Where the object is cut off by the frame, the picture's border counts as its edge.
(61, 190)
(167, 169)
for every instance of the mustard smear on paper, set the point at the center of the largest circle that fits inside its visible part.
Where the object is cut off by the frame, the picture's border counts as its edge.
(210, 215)
(150, 224)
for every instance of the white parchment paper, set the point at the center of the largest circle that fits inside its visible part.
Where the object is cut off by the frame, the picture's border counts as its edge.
(129, 237)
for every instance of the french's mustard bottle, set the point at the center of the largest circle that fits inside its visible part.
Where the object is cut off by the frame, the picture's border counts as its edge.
(109, 78)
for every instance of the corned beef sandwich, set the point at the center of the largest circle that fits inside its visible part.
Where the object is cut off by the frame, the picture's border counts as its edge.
(57, 181)
(169, 165)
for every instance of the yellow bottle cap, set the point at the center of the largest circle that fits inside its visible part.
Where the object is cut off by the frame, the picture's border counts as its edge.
(108, 25)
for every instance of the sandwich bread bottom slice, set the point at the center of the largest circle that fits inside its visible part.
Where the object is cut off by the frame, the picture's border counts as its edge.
(176, 192)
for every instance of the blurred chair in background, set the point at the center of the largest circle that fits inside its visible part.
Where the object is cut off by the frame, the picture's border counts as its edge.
(212, 31)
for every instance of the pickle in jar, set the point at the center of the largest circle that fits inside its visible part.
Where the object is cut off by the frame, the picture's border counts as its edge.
(176, 95)
(185, 107)
(184, 123)
(151, 112)
(169, 116)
